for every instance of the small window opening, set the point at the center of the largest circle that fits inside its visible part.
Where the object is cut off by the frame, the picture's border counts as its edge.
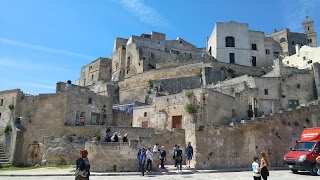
(1, 102)
(145, 114)
(90, 100)
(298, 86)
(266, 92)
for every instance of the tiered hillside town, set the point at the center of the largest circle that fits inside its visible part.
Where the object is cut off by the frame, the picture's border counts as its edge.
(245, 92)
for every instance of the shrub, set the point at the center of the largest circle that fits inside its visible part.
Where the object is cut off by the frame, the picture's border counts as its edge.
(191, 108)
(7, 129)
(11, 107)
(260, 113)
(70, 139)
(189, 94)
(151, 66)
(114, 167)
(150, 85)
(98, 136)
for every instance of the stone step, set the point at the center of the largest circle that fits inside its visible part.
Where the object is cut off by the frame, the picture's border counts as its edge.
(5, 162)
(3, 157)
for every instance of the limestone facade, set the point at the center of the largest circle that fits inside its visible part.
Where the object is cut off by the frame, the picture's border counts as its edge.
(234, 43)
(304, 58)
(98, 70)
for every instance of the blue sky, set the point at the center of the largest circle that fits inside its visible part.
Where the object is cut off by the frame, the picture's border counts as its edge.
(43, 42)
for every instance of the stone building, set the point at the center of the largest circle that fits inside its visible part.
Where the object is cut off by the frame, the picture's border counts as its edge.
(142, 53)
(304, 58)
(288, 39)
(98, 70)
(171, 92)
(234, 43)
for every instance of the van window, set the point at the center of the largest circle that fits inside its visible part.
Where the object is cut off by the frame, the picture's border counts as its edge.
(304, 146)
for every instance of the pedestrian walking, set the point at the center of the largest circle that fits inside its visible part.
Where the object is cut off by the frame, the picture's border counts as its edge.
(189, 154)
(173, 156)
(142, 160)
(264, 165)
(149, 159)
(82, 166)
(178, 158)
(162, 157)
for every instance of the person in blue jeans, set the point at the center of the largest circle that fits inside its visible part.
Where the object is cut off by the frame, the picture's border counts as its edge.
(138, 157)
(142, 160)
(189, 154)
(162, 157)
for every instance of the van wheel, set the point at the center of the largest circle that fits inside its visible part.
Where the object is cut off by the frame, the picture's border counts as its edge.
(294, 171)
(314, 170)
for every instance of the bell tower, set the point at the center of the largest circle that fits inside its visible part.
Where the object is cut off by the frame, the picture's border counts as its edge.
(308, 28)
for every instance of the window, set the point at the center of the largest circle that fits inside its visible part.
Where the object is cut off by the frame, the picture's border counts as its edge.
(310, 40)
(90, 100)
(0, 115)
(117, 65)
(282, 40)
(128, 61)
(293, 103)
(266, 92)
(304, 58)
(230, 41)
(1, 102)
(267, 51)
(84, 82)
(231, 58)
(293, 43)
(254, 61)
(210, 52)
(254, 46)
(287, 62)
(92, 77)
(145, 114)
(298, 86)
(180, 42)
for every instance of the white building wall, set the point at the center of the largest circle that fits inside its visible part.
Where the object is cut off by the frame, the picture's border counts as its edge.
(300, 60)
(257, 38)
(241, 50)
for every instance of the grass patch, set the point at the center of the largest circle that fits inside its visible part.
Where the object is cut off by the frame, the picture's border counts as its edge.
(15, 168)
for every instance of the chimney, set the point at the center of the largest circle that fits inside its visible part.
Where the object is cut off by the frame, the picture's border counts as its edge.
(297, 50)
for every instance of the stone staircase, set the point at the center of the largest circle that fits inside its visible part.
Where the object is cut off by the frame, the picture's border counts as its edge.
(3, 157)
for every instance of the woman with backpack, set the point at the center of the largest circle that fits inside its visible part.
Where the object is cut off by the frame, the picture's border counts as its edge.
(178, 158)
(83, 166)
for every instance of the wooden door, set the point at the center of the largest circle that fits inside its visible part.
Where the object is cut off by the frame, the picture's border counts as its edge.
(176, 122)
(144, 124)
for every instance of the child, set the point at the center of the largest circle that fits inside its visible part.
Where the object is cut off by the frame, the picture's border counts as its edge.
(318, 164)
(256, 169)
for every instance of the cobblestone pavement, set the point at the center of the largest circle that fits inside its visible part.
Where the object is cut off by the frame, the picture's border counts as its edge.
(274, 175)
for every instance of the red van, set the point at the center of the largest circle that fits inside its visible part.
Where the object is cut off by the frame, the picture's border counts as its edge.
(303, 155)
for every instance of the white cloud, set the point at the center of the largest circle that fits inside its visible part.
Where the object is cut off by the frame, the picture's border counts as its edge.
(145, 13)
(43, 49)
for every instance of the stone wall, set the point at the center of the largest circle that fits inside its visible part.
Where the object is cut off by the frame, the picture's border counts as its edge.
(121, 118)
(135, 88)
(123, 156)
(176, 85)
(275, 135)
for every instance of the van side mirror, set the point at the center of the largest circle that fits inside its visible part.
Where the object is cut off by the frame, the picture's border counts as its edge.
(317, 151)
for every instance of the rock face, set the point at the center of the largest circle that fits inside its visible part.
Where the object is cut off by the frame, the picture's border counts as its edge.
(58, 155)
